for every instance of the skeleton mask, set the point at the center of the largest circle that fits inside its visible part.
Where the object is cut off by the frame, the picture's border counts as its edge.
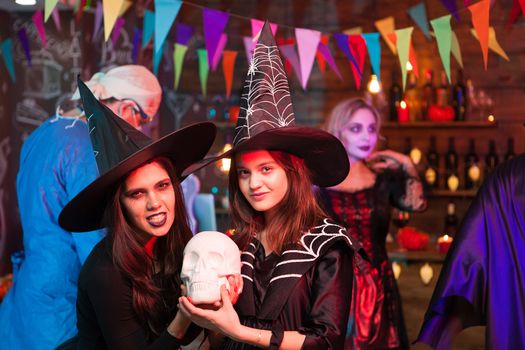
(209, 257)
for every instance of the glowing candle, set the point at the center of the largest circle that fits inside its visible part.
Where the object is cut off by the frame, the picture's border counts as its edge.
(403, 114)
(443, 243)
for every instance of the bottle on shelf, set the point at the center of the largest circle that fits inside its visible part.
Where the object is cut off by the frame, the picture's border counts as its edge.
(431, 171)
(451, 166)
(491, 159)
(428, 97)
(395, 95)
(459, 97)
(408, 146)
(442, 98)
(451, 220)
(411, 97)
(510, 149)
(472, 169)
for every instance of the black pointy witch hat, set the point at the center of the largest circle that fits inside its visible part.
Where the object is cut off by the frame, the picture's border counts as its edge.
(266, 120)
(120, 148)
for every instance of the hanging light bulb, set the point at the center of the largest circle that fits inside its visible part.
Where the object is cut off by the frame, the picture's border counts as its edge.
(373, 85)
(409, 66)
(225, 163)
(396, 268)
(426, 273)
(415, 155)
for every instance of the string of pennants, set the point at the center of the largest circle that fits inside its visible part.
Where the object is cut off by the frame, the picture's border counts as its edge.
(300, 52)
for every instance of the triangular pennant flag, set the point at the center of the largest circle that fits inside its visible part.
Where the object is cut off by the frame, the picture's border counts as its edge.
(480, 21)
(115, 34)
(137, 35)
(249, 45)
(24, 41)
(218, 52)
(342, 42)
(56, 19)
(6, 47)
(80, 11)
(374, 52)
(319, 56)
(456, 50)
(257, 26)
(466, 3)
(419, 15)
(214, 23)
(450, 5)
(183, 33)
(290, 54)
(353, 31)
(307, 42)
(179, 52)
(203, 69)
(148, 27)
(514, 13)
(165, 13)
(157, 57)
(358, 48)
(443, 32)
(412, 59)
(49, 6)
(99, 12)
(111, 11)
(493, 43)
(323, 49)
(403, 48)
(522, 5)
(125, 6)
(287, 64)
(228, 65)
(385, 26)
(38, 20)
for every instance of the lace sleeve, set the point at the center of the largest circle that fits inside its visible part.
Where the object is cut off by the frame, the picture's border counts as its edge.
(413, 198)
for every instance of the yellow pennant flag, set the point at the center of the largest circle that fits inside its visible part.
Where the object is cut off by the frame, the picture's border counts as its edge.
(493, 43)
(111, 10)
(386, 26)
(125, 6)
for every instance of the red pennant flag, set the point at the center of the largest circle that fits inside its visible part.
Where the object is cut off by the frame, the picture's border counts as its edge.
(358, 48)
(228, 65)
(320, 58)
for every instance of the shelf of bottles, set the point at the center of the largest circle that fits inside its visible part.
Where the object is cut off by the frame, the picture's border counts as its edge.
(430, 124)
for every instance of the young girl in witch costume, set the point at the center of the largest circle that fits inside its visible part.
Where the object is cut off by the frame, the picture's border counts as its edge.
(129, 285)
(297, 265)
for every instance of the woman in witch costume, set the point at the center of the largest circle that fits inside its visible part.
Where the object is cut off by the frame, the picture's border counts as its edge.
(296, 263)
(129, 285)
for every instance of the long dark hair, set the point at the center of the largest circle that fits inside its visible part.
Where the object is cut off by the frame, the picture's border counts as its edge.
(298, 211)
(154, 294)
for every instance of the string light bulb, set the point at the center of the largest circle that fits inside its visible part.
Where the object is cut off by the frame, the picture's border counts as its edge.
(374, 87)
(26, 2)
(225, 163)
(409, 66)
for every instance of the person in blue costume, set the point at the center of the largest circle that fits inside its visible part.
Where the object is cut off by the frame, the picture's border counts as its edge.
(482, 282)
(56, 163)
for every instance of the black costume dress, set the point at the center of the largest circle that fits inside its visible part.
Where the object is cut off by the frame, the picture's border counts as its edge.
(376, 320)
(304, 289)
(106, 319)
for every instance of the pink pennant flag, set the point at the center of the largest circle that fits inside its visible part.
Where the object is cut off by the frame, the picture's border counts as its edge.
(257, 26)
(358, 48)
(307, 43)
(218, 52)
(323, 50)
(289, 52)
(249, 46)
(56, 19)
(38, 20)
(115, 34)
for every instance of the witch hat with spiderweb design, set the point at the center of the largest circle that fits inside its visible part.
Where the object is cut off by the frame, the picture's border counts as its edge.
(119, 148)
(266, 120)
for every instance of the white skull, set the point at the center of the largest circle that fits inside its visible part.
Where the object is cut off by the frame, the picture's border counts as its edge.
(209, 257)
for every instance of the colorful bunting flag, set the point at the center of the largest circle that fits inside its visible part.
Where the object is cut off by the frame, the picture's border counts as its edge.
(443, 32)
(38, 20)
(319, 56)
(456, 50)
(353, 31)
(179, 52)
(80, 11)
(386, 26)
(203, 69)
(307, 43)
(342, 42)
(358, 48)
(480, 21)
(323, 49)
(6, 48)
(249, 46)
(125, 6)
(419, 15)
(137, 36)
(257, 26)
(24, 41)
(218, 52)
(157, 57)
(514, 13)
(183, 33)
(228, 66)
(49, 6)
(115, 34)
(493, 43)
(111, 11)
(99, 12)
(412, 59)
(450, 5)
(56, 19)
(165, 13)
(374, 52)
(148, 27)
(522, 5)
(214, 23)
(289, 52)
(403, 48)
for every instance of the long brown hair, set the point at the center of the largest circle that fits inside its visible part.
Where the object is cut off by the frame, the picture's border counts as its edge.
(298, 211)
(153, 301)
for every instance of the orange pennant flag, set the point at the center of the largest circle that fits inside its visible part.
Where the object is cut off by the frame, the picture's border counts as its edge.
(228, 63)
(320, 59)
(411, 53)
(480, 21)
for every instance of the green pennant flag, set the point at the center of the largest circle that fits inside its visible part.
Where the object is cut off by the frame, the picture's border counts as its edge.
(179, 52)
(456, 50)
(443, 33)
(49, 5)
(203, 69)
(403, 47)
